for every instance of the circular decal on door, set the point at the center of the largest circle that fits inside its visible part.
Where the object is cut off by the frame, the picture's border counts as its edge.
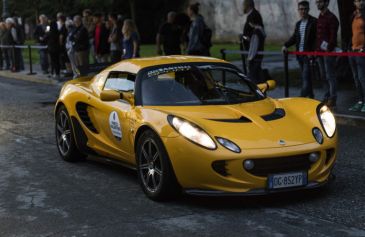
(115, 125)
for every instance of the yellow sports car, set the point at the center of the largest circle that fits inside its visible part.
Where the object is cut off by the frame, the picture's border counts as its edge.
(198, 125)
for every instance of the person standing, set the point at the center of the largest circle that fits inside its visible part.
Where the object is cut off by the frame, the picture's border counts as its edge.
(20, 40)
(304, 38)
(39, 35)
(64, 60)
(101, 36)
(115, 38)
(70, 48)
(80, 40)
(88, 22)
(327, 27)
(196, 36)
(4, 38)
(358, 45)
(53, 42)
(253, 40)
(169, 36)
(130, 40)
(253, 17)
(13, 39)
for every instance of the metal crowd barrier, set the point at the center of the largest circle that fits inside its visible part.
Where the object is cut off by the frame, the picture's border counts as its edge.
(285, 55)
(224, 53)
(29, 47)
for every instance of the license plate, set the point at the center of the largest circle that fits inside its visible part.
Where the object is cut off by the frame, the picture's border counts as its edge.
(287, 180)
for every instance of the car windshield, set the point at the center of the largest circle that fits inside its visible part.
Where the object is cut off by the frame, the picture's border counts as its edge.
(196, 85)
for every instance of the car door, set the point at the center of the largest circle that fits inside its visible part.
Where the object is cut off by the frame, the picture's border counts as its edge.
(113, 118)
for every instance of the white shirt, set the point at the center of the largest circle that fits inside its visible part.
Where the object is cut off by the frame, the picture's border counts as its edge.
(302, 28)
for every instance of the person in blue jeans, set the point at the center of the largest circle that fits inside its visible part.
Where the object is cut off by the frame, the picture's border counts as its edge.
(358, 45)
(304, 38)
(327, 28)
(130, 40)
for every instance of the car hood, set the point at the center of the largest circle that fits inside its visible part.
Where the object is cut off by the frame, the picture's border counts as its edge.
(263, 124)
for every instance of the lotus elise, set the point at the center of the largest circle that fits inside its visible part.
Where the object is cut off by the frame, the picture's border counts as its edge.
(198, 125)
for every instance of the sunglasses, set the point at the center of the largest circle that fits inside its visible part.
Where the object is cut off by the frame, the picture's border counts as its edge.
(303, 9)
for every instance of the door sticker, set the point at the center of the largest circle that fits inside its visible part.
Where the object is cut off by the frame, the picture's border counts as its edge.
(115, 125)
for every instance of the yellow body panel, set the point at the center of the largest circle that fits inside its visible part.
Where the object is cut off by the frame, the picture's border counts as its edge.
(192, 164)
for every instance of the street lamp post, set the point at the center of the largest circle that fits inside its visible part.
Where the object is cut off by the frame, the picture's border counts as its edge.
(5, 9)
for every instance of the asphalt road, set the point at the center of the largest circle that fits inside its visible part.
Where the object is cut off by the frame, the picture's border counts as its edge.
(41, 195)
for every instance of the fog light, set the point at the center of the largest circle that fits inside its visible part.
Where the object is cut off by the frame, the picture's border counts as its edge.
(318, 135)
(314, 157)
(248, 164)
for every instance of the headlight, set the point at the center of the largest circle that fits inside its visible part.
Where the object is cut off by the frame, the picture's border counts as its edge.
(192, 132)
(327, 120)
(228, 144)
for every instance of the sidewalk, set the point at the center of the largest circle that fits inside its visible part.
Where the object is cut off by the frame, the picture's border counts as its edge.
(346, 95)
(24, 75)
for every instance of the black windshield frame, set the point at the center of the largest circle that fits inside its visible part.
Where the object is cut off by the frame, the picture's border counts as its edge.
(220, 66)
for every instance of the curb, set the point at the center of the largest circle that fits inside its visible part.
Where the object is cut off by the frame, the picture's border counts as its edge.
(350, 120)
(25, 77)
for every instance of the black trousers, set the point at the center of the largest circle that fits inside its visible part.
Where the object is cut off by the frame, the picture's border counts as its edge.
(55, 62)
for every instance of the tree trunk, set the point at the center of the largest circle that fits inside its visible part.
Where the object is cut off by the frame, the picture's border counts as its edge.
(132, 6)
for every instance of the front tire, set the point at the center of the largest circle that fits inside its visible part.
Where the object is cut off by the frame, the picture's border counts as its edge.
(154, 168)
(65, 139)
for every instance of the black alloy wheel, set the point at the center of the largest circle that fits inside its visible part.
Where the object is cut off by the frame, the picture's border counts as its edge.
(155, 171)
(64, 137)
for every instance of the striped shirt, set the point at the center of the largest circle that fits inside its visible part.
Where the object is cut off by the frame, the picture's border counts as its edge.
(302, 28)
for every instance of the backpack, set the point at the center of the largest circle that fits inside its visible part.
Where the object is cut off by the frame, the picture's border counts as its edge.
(207, 37)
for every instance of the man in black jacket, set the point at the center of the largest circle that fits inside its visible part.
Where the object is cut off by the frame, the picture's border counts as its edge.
(39, 36)
(304, 38)
(253, 39)
(253, 18)
(80, 39)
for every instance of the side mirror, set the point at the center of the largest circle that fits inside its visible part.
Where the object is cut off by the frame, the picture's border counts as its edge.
(267, 86)
(110, 95)
(129, 97)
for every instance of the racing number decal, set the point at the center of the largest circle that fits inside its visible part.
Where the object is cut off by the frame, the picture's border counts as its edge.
(115, 125)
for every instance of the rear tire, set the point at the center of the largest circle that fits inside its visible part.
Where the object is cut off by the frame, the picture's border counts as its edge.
(155, 172)
(65, 138)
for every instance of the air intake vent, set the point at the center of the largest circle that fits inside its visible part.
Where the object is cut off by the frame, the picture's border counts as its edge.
(264, 167)
(219, 166)
(238, 120)
(81, 109)
(277, 114)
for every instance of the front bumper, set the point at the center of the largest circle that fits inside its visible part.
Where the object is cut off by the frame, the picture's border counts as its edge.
(193, 167)
(256, 192)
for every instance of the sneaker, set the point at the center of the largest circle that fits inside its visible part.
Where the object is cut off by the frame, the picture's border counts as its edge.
(363, 109)
(357, 107)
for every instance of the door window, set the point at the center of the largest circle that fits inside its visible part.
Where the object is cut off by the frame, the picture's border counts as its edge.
(120, 81)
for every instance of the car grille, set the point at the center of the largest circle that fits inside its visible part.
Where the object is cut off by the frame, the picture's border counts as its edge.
(264, 167)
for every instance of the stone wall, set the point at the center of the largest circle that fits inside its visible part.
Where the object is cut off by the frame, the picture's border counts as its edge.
(226, 18)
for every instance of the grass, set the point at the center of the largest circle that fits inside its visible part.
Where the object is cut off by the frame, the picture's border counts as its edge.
(149, 50)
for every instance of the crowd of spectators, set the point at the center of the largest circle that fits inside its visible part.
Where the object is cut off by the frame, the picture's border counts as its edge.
(68, 43)
(320, 35)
